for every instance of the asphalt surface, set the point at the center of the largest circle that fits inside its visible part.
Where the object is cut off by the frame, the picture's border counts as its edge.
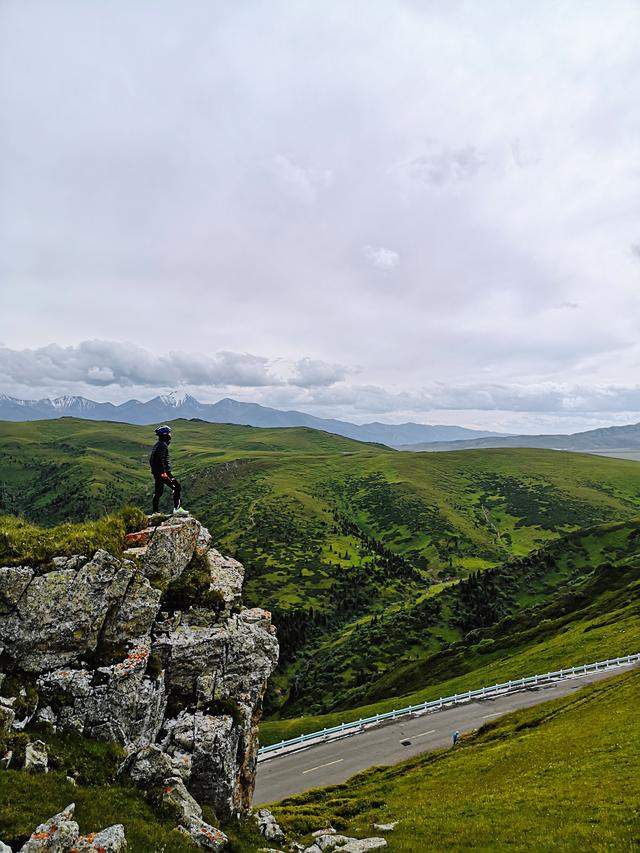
(334, 762)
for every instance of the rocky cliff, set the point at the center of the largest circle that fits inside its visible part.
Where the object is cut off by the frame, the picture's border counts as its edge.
(152, 649)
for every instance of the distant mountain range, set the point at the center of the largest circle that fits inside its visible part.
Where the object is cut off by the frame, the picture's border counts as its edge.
(177, 405)
(619, 438)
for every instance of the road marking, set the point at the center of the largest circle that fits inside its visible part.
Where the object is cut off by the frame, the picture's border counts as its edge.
(422, 734)
(311, 769)
(497, 714)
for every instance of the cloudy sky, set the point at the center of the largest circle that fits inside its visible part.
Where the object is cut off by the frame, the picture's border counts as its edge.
(373, 209)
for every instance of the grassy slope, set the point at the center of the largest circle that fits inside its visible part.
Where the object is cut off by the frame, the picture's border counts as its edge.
(562, 775)
(24, 543)
(317, 519)
(26, 800)
(595, 617)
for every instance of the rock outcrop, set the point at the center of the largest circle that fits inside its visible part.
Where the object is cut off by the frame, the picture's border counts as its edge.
(61, 834)
(153, 650)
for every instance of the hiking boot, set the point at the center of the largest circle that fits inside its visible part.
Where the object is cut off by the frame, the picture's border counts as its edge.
(180, 511)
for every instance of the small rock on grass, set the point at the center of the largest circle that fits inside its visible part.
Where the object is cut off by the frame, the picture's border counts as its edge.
(58, 833)
(36, 759)
(385, 827)
(361, 845)
(344, 844)
(110, 840)
(268, 826)
(331, 841)
(207, 837)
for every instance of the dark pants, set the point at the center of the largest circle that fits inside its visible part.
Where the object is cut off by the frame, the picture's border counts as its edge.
(160, 483)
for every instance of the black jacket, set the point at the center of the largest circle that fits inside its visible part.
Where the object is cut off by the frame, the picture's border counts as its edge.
(159, 459)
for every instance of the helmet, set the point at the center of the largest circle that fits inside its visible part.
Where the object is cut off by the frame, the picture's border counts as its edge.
(163, 431)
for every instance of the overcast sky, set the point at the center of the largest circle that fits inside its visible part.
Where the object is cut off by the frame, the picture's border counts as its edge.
(387, 209)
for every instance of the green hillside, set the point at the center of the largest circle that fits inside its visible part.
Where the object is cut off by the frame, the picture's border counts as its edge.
(593, 616)
(355, 547)
(559, 776)
(415, 644)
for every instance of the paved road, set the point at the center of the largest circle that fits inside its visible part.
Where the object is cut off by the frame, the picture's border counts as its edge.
(334, 762)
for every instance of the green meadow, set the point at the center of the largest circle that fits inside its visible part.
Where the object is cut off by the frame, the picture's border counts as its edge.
(361, 552)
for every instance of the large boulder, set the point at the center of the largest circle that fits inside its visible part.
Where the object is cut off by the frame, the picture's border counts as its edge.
(118, 702)
(169, 548)
(148, 767)
(60, 615)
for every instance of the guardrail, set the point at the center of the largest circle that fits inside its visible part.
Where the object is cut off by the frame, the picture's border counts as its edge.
(437, 704)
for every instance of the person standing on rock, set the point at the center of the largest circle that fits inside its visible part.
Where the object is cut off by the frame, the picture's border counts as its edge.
(161, 470)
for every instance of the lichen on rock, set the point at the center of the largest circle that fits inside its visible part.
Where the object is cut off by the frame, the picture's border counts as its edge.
(99, 646)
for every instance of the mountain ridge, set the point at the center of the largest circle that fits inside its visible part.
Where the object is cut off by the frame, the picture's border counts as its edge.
(227, 410)
(626, 437)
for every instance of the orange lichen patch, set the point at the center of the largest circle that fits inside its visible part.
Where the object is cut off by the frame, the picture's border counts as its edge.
(138, 539)
(211, 833)
(40, 836)
(168, 790)
(137, 656)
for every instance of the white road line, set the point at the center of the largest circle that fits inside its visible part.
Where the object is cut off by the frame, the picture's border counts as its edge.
(497, 714)
(422, 734)
(311, 769)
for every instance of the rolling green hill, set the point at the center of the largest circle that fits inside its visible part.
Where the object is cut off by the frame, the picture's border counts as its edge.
(355, 547)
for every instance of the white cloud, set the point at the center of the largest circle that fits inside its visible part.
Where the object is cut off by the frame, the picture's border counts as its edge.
(125, 365)
(116, 371)
(311, 373)
(447, 166)
(300, 183)
(105, 363)
(381, 258)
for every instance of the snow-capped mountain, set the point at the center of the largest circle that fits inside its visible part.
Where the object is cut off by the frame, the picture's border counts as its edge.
(177, 404)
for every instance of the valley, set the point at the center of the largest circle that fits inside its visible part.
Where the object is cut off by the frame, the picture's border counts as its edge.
(372, 561)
